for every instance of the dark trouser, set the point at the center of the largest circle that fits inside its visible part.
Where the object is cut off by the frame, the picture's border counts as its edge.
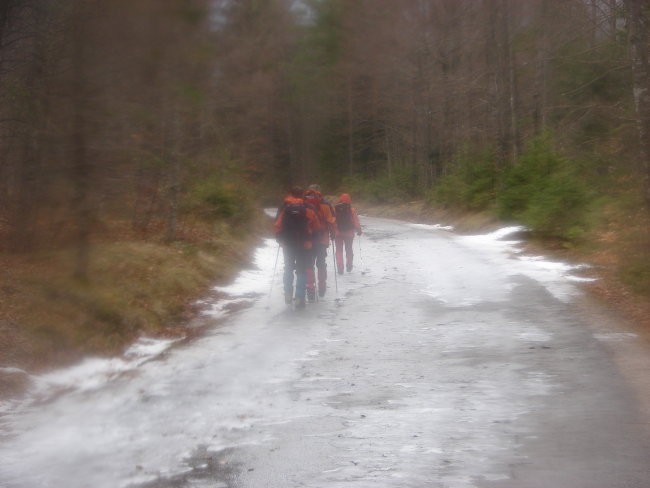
(295, 259)
(318, 257)
(346, 240)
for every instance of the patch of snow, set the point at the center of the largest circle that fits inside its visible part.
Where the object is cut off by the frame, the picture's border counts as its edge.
(581, 279)
(221, 308)
(554, 276)
(147, 348)
(256, 280)
(505, 231)
(615, 336)
(11, 370)
(90, 374)
(94, 373)
(431, 227)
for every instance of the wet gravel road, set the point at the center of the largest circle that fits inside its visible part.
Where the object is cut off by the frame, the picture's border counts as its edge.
(442, 361)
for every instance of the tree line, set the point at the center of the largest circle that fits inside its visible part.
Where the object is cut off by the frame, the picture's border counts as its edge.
(139, 116)
(535, 108)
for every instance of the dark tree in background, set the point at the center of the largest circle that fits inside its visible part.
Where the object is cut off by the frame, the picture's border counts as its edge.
(639, 24)
(107, 116)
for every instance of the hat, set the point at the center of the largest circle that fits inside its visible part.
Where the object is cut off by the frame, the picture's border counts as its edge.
(314, 187)
(345, 198)
(312, 195)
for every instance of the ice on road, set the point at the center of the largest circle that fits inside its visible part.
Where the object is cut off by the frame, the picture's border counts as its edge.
(440, 361)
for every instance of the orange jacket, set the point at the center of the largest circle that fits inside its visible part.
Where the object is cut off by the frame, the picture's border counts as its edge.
(355, 222)
(325, 216)
(345, 198)
(312, 220)
(326, 211)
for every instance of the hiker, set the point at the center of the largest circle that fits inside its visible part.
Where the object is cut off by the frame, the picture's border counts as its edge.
(316, 187)
(320, 242)
(293, 227)
(347, 223)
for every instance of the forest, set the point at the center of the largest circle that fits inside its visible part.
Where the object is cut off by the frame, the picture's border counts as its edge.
(137, 138)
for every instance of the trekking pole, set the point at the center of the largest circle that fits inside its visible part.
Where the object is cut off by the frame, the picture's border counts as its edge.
(275, 266)
(361, 257)
(315, 282)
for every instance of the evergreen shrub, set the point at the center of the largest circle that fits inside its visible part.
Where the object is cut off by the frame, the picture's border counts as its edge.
(212, 200)
(545, 192)
(401, 185)
(472, 183)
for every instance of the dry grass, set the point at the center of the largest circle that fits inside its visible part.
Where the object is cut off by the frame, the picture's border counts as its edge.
(621, 252)
(136, 286)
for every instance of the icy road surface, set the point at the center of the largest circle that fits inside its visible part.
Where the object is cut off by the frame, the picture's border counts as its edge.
(447, 361)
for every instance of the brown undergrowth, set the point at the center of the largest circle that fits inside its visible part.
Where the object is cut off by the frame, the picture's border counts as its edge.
(136, 286)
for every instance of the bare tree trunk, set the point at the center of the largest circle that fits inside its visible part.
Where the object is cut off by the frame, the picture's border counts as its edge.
(509, 54)
(80, 164)
(174, 176)
(350, 126)
(291, 140)
(495, 63)
(27, 195)
(448, 127)
(613, 18)
(389, 159)
(594, 23)
(174, 190)
(637, 11)
(27, 111)
(22, 238)
(541, 95)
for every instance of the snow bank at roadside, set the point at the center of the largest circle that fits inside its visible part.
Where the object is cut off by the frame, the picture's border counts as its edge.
(556, 276)
(496, 260)
(431, 227)
(88, 375)
(249, 284)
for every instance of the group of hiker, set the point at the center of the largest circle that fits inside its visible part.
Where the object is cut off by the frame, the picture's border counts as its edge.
(305, 225)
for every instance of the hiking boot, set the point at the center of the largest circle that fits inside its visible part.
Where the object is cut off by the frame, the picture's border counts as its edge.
(288, 299)
(311, 295)
(300, 303)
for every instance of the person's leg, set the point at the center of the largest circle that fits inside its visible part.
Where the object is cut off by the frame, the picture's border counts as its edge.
(301, 276)
(310, 273)
(349, 254)
(289, 265)
(321, 264)
(339, 254)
